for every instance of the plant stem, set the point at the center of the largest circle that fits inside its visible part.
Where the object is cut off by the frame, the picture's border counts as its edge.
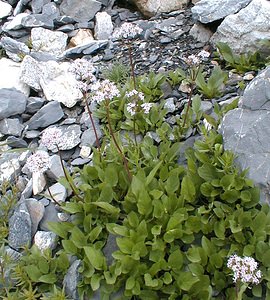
(92, 122)
(116, 143)
(134, 131)
(188, 105)
(67, 177)
(131, 64)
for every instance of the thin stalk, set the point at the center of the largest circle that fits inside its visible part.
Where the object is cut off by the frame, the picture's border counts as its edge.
(134, 130)
(131, 64)
(66, 176)
(92, 122)
(188, 105)
(52, 197)
(116, 143)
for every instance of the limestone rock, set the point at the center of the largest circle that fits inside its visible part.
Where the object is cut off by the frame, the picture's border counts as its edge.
(151, 7)
(200, 33)
(44, 40)
(15, 23)
(45, 240)
(82, 37)
(104, 26)
(58, 191)
(5, 9)
(9, 166)
(243, 31)
(207, 11)
(14, 49)
(39, 182)
(10, 76)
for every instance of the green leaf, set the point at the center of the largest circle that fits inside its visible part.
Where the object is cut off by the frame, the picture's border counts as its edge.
(95, 282)
(152, 174)
(219, 228)
(33, 272)
(144, 203)
(48, 278)
(106, 194)
(149, 281)
(94, 234)
(186, 280)
(266, 258)
(73, 207)
(208, 172)
(78, 238)
(172, 184)
(130, 283)
(61, 229)
(69, 247)
(175, 260)
(188, 189)
(111, 175)
(107, 207)
(95, 257)
(193, 255)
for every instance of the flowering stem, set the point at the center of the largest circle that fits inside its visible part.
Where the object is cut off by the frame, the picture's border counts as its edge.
(116, 143)
(131, 64)
(134, 131)
(92, 122)
(188, 105)
(67, 177)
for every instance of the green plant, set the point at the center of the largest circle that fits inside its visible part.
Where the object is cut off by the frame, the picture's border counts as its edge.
(117, 72)
(240, 62)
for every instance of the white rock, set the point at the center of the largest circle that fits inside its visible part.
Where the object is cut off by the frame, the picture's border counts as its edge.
(39, 182)
(58, 192)
(5, 9)
(15, 23)
(9, 166)
(85, 151)
(31, 72)
(44, 40)
(45, 240)
(104, 26)
(10, 76)
(243, 31)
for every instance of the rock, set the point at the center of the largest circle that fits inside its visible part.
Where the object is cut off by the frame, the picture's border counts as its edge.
(38, 20)
(15, 142)
(103, 26)
(82, 37)
(243, 31)
(36, 211)
(109, 248)
(45, 240)
(10, 76)
(37, 5)
(86, 49)
(12, 102)
(152, 7)
(246, 131)
(34, 104)
(39, 182)
(200, 33)
(5, 9)
(11, 127)
(44, 40)
(31, 72)
(58, 191)
(15, 23)
(47, 115)
(208, 11)
(14, 49)
(55, 171)
(80, 10)
(169, 105)
(72, 279)
(50, 215)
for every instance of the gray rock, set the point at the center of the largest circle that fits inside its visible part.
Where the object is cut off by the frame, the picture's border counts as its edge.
(10, 76)
(37, 5)
(12, 102)
(5, 9)
(88, 137)
(11, 127)
(80, 10)
(85, 49)
(34, 104)
(51, 11)
(20, 6)
(15, 23)
(15, 142)
(45, 240)
(243, 31)
(103, 26)
(14, 49)
(200, 33)
(55, 171)
(39, 182)
(109, 248)
(44, 40)
(20, 234)
(169, 105)
(50, 215)
(36, 211)
(72, 279)
(207, 11)
(37, 20)
(31, 72)
(58, 191)
(246, 131)
(47, 115)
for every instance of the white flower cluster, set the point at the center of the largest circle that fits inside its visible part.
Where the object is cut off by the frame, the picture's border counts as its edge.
(83, 70)
(127, 30)
(104, 90)
(244, 269)
(38, 162)
(51, 137)
(196, 59)
(135, 105)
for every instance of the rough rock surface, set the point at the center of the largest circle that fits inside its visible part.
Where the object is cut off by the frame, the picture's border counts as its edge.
(246, 131)
(244, 31)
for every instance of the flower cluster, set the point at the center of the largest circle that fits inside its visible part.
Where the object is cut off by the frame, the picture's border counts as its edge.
(136, 103)
(83, 70)
(244, 269)
(38, 162)
(127, 31)
(104, 90)
(51, 138)
(194, 60)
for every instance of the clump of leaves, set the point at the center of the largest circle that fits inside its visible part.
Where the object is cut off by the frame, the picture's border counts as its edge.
(240, 62)
(117, 72)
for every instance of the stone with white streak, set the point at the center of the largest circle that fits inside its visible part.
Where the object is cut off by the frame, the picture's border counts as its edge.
(207, 11)
(45, 40)
(45, 240)
(39, 182)
(58, 192)
(5, 9)
(9, 166)
(15, 23)
(244, 31)
(14, 49)
(104, 26)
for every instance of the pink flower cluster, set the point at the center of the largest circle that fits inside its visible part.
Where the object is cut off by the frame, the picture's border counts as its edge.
(38, 162)
(136, 103)
(127, 30)
(196, 59)
(104, 90)
(244, 269)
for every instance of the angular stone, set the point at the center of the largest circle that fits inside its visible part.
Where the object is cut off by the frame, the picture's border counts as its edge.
(82, 37)
(85, 49)
(150, 8)
(5, 9)
(31, 72)
(45, 240)
(36, 211)
(50, 215)
(12, 102)
(55, 171)
(200, 33)
(9, 166)
(10, 76)
(243, 31)
(44, 40)
(38, 20)
(39, 182)
(34, 104)
(14, 49)
(37, 5)
(15, 23)
(15, 142)
(72, 279)
(71, 136)
(11, 127)
(47, 115)
(103, 26)
(58, 192)
(80, 10)
(207, 11)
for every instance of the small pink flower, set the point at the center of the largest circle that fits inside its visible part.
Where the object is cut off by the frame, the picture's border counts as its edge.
(38, 162)
(127, 30)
